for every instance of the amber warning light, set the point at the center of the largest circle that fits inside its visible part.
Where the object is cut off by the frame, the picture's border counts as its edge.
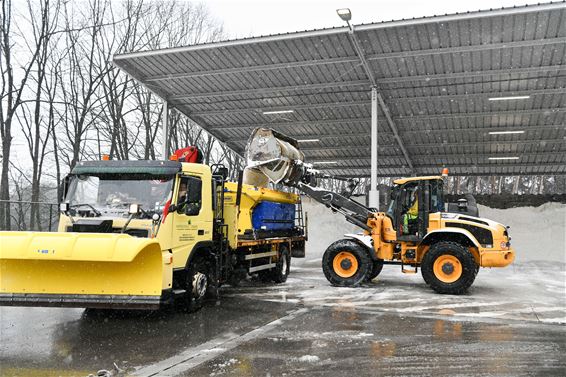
(445, 172)
(105, 157)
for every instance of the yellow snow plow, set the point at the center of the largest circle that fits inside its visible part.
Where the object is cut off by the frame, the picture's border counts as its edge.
(145, 234)
(80, 269)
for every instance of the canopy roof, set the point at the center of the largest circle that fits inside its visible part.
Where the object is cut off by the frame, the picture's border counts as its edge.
(436, 76)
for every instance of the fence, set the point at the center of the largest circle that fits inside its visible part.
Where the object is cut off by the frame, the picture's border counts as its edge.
(20, 213)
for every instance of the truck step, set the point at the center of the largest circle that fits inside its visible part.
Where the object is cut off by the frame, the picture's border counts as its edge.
(261, 255)
(179, 292)
(262, 267)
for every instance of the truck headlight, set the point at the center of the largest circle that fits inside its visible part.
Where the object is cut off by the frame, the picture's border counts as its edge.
(504, 245)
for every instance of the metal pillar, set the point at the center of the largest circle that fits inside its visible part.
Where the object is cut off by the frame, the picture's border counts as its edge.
(165, 125)
(373, 191)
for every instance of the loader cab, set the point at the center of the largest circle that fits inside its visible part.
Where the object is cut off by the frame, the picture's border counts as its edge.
(412, 200)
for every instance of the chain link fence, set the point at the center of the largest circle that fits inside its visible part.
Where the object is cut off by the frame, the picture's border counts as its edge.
(46, 218)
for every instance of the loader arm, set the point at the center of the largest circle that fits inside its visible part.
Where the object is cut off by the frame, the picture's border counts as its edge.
(353, 211)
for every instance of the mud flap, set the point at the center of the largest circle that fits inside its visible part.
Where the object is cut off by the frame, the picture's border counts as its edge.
(81, 270)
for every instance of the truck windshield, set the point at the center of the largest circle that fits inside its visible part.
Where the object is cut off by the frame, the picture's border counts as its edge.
(117, 194)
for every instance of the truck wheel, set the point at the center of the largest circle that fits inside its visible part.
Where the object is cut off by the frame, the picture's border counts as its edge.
(283, 265)
(199, 285)
(448, 267)
(376, 269)
(346, 264)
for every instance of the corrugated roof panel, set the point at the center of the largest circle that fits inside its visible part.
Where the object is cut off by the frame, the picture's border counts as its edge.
(435, 75)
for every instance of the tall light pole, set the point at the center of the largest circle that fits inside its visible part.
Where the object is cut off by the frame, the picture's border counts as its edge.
(373, 196)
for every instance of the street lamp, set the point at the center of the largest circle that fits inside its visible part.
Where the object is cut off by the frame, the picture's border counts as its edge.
(346, 15)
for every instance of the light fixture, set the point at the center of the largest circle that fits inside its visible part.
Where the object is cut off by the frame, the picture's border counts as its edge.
(325, 162)
(308, 140)
(278, 112)
(345, 14)
(508, 98)
(506, 132)
(503, 158)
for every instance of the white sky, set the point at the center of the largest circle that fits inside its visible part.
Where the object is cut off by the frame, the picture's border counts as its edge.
(246, 18)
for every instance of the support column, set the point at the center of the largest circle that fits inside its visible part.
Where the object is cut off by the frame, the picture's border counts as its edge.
(165, 125)
(373, 192)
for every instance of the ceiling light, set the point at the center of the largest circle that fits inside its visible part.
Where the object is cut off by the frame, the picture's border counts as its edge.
(508, 98)
(506, 132)
(308, 140)
(345, 14)
(278, 112)
(326, 162)
(504, 158)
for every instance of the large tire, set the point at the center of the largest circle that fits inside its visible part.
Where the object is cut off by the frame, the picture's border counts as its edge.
(281, 271)
(200, 284)
(448, 267)
(346, 264)
(376, 269)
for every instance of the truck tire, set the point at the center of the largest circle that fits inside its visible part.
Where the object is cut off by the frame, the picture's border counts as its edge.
(376, 269)
(449, 268)
(283, 266)
(346, 264)
(199, 283)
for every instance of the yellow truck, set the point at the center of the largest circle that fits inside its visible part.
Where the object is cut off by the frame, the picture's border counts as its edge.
(144, 234)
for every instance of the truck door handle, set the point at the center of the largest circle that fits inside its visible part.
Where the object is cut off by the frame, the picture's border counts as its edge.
(201, 232)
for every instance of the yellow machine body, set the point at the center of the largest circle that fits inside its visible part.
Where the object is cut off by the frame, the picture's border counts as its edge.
(66, 268)
(384, 240)
(240, 219)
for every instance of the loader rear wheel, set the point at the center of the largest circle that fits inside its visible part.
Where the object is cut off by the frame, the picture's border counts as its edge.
(376, 269)
(346, 264)
(448, 267)
(199, 284)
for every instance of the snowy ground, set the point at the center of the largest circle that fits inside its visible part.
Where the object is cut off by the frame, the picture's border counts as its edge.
(511, 322)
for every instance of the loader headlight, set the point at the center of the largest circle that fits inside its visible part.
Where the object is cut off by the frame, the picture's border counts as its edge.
(64, 207)
(504, 245)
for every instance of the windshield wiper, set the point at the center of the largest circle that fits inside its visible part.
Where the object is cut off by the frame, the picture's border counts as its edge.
(96, 212)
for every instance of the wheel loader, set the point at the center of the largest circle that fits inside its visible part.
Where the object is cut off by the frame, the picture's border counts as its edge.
(447, 241)
(149, 234)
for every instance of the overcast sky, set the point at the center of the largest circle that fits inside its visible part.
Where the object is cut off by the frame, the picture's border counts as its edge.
(245, 18)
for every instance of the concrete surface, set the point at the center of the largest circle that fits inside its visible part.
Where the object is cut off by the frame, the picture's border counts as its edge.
(510, 323)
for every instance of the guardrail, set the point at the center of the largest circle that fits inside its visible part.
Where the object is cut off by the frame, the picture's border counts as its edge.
(46, 216)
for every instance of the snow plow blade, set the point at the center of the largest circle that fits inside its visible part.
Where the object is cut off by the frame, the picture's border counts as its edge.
(86, 270)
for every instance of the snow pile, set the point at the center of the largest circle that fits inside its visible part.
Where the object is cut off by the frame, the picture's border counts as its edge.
(538, 233)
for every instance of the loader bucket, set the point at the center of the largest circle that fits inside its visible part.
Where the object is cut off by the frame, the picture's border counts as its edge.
(275, 155)
(80, 270)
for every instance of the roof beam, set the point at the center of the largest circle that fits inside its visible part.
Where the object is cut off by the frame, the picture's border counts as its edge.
(463, 49)
(438, 155)
(278, 108)
(541, 169)
(120, 60)
(245, 110)
(465, 75)
(534, 92)
(333, 122)
(474, 130)
(480, 114)
(276, 89)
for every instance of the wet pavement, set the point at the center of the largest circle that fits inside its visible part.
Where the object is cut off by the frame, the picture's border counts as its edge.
(510, 323)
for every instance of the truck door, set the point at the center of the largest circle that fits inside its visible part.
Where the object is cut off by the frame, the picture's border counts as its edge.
(192, 221)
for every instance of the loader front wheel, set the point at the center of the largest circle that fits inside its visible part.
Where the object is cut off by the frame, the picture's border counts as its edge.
(346, 264)
(448, 267)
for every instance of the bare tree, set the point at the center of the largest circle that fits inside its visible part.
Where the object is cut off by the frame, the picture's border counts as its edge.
(11, 91)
